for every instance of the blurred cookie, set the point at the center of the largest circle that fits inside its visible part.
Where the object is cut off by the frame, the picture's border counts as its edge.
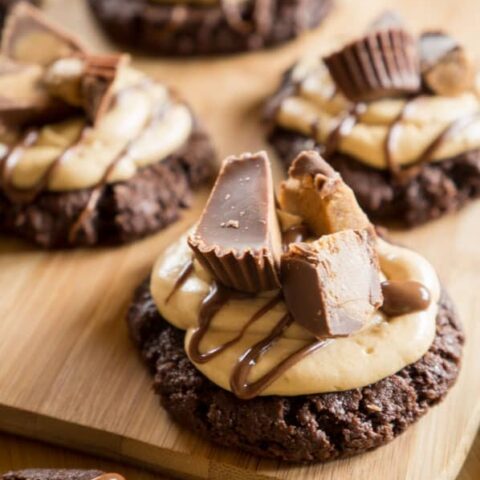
(199, 27)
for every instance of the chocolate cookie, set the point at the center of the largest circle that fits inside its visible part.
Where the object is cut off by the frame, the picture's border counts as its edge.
(304, 428)
(92, 150)
(126, 211)
(208, 27)
(398, 117)
(436, 189)
(52, 474)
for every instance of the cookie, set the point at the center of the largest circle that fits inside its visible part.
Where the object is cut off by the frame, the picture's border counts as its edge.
(201, 27)
(287, 327)
(53, 474)
(406, 140)
(93, 151)
(299, 429)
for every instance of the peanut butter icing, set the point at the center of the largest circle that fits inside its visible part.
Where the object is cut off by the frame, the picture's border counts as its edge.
(400, 131)
(383, 347)
(144, 125)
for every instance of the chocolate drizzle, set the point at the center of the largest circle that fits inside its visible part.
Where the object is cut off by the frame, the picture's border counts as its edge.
(184, 275)
(344, 128)
(403, 297)
(211, 305)
(219, 296)
(239, 379)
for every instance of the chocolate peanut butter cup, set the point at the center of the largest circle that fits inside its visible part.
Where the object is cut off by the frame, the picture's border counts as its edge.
(92, 150)
(398, 117)
(382, 64)
(335, 347)
(202, 27)
(59, 474)
(238, 237)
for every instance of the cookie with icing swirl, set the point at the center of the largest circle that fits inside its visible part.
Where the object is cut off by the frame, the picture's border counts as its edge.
(92, 151)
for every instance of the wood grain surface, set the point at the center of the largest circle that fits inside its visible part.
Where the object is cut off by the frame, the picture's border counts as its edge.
(68, 372)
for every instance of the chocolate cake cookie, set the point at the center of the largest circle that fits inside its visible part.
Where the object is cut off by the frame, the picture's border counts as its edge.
(293, 353)
(407, 140)
(199, 27)
(92, 151)
(53, 474)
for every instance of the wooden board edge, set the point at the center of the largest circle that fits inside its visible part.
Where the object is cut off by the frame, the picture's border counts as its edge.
(115, 447)
(100, 443)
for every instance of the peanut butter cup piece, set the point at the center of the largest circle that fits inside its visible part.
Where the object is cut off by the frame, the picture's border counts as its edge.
(446, 67)
(98, 82)
(317, 194)
(332, 286)
(28, 37)
(27, 101)
(382, 64)
(238, 237)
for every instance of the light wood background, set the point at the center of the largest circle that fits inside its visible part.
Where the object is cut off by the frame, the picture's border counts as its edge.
(68, 373)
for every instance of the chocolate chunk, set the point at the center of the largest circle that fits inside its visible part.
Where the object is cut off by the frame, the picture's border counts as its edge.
(382, 64)
(446, 68)
(238, 237)
(85, 81)
(316, 193)
(28, 37)
(332, 286)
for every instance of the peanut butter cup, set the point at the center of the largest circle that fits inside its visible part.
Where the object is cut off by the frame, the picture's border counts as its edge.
(382, 64)
(92, 151)
(238, 237)
(397, 116)
(269, 345)
(202, 27)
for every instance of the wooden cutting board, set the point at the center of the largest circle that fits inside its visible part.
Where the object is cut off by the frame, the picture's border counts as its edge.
(68, 373)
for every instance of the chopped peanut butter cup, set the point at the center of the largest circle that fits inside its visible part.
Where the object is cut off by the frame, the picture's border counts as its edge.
(28, 37)
(332, 286)
(317, 194)
(384, 63)
(238, 237)
(446, 68)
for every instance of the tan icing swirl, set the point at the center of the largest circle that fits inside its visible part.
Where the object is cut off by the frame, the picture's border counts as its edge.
(378, 351)
(316, 109)
(126, 131)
